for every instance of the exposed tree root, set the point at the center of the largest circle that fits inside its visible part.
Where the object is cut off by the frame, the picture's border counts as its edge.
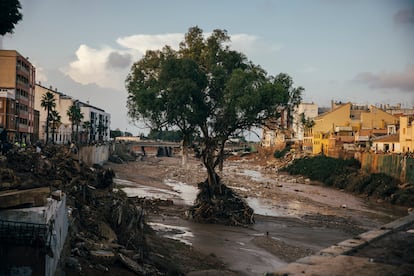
(220, 205)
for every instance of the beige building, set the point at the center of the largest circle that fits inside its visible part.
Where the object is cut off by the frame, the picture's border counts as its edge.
(63, 102)
(98, 120)
(17, 79)
(387, 144)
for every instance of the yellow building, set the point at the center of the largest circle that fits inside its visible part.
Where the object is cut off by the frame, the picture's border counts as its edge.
(377, 119)
(17, 78)
(406, 134)
(337, 120)
(345, 121)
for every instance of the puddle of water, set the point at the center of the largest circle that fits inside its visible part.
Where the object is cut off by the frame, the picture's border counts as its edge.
(187, 193)
(253, 174)
(133, 189)
(179, 233)
(262, 208)
(180, 193)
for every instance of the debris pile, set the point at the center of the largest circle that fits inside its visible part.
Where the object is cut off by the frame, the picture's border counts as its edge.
(107, 229)
(220, 205)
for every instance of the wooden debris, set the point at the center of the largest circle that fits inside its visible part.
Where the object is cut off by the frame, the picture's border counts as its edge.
(30, 198)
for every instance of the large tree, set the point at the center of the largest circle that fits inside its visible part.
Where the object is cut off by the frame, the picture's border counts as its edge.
(207, 88)
(48, 102)
(9, 15)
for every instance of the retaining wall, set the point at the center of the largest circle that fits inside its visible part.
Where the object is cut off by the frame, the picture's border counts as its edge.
(395, 165)
(94, 154)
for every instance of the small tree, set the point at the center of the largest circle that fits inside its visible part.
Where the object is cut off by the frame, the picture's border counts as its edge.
(48, 103)
(207, 88)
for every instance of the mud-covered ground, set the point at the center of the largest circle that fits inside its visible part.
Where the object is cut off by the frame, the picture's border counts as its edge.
(294, 216)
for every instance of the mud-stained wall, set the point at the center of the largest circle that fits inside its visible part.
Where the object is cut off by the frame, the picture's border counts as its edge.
(94, 154)
(398, 166)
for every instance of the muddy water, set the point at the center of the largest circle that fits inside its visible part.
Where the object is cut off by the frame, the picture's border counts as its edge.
(279, 219)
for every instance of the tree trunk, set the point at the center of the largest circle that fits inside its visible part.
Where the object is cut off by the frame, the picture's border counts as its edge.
(184, 152)
(47, 126)
(73, 133)
(53, 134)
(209, 163)
(77, 133)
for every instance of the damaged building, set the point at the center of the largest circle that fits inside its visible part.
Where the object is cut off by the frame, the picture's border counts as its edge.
(33, 229)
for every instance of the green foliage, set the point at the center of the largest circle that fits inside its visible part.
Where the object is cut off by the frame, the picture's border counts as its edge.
(75, 116)
(404, 197)
(345, 174)
(115, 133)
(206, 88)
(281, 153)
(9, 15)
(321, 168)
(48, 102)
(165, 135)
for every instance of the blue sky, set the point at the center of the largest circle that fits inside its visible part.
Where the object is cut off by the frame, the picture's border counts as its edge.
(351, 50)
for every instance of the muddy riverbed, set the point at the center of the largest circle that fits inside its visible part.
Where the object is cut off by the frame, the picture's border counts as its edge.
(294, 216)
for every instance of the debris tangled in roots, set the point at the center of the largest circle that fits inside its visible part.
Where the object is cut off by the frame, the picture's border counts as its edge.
(220, 205)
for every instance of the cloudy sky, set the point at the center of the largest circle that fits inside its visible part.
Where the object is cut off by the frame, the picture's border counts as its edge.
(352, 50)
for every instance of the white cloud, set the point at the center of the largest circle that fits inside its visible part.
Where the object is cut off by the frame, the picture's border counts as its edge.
(108, 67)
(91, 66)
(142, 42)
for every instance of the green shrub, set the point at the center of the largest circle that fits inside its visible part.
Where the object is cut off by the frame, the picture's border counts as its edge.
(404, 197)
(281, 153)
(322, 168)
(357, 182)
(346, 174)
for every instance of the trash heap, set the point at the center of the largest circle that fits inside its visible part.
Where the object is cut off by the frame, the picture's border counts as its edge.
(220, 205)
(107, 229)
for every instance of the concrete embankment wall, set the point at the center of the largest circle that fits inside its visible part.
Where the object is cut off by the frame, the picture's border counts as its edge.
(94, 154)
(398, 166)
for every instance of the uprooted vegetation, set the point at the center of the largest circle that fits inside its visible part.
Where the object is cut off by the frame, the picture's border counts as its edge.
(346, 174)
(220, 206)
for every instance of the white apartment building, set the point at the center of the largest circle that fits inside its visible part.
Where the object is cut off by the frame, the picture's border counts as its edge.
(309, 111)
(99, 120)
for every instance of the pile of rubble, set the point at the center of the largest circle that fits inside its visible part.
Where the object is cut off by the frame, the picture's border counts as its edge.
(107, 229)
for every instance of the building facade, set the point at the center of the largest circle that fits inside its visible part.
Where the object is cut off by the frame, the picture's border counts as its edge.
(95, 125)
(406, 134)
(62, 133)
(350, 124)
(98, 123)
(17, 92)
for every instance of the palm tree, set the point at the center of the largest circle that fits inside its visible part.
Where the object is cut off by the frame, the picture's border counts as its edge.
(55, 119)
(48, 103)
(87, 126)
(75, 116)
